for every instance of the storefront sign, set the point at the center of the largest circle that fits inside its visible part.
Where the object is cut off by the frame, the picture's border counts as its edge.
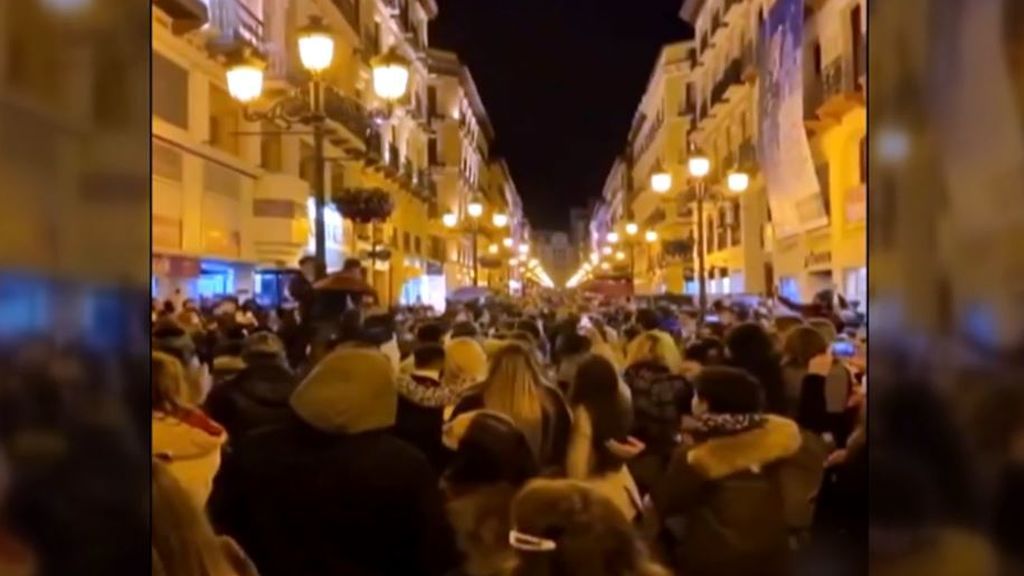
(175, 266)
(818, 260)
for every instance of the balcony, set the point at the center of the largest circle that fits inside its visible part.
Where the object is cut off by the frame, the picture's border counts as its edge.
(235, 23)
(186, 15)
(733, 76)
(354, 130)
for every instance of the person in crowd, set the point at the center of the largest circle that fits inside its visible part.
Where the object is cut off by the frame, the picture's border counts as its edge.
(184, 543)
(825, 304)
(599, 444)
(227, 352)
(421, 403)
(600, 346)
(573, 348)
(567, 527)
(783, 324)
(515, 386)
(257, 396)
(660, 399)
(171, 338)
(183, 437)
(16, 557)
(465, 363)
(290, 332)
(491, 460)
(749, 347)
(723, 484)
(801, 346)
(703, 351)
(465, 329)
(335, 492)
(531, 327)
(650, 321)
(380, 329)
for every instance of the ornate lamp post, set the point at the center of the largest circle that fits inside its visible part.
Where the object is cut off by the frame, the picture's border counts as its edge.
(306, 105)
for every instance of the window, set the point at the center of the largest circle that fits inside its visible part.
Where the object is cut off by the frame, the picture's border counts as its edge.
(432, 101)
(417, 246)
(405, 241)
(169, 96)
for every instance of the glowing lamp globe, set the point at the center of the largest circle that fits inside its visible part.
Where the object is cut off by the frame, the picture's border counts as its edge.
(651, 236)
(661, 181)
(449, 220)
(738, 181)
(390, 75)
(475, 209)
(632, 228)
(699, 165)
(507, 242)
(500, 220)
(245, 80)
(316, 46)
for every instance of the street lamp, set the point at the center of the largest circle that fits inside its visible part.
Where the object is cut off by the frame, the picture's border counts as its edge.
(620, 255)
(499, 220)
(475, 208)
(390, 75)
(245, 84)
(595, 258)
(632, 228)
(316, 46)
(492, 249)
(661, 180)
(607, 250)
(613, 237)
(738, 181)
(507, 242)
(650, 236)
(449, 220)
(524, 248)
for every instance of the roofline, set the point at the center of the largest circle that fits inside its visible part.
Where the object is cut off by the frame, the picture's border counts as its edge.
(475, 102)
(659, 63)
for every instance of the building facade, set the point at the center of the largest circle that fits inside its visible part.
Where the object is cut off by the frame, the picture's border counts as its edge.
(233, 198)
(744, 254)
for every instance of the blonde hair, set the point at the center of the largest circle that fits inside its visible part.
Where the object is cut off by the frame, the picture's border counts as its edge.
(465, 362)
(512, 388)
(183, 540)
(649, 348)
(170, 389)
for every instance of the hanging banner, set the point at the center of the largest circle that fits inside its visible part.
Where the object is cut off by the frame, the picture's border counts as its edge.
(794, 194)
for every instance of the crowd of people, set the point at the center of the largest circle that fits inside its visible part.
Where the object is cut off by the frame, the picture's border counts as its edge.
(540, 436)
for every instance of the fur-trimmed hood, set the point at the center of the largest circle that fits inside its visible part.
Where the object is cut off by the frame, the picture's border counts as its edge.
(723, 456)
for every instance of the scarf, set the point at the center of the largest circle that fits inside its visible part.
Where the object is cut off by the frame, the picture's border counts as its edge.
(710, 425)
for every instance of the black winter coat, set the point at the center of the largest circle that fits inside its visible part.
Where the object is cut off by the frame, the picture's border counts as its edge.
(256, 397)
(304, 502)
(724, 505)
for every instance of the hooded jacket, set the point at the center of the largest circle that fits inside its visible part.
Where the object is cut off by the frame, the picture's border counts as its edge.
(333, 491)
(255, 398)
(727, 491)
(420, 417)
(190, 444)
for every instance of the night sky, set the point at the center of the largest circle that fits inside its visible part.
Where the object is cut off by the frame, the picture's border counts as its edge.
(561, 80)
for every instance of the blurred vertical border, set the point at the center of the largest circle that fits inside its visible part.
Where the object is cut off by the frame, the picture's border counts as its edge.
(74, 277)
(946, 278)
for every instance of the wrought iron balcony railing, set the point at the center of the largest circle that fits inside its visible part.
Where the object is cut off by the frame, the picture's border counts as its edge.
(237, 21)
